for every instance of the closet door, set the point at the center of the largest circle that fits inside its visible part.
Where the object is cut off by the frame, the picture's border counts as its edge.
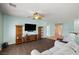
(40, 32)
(18, 34)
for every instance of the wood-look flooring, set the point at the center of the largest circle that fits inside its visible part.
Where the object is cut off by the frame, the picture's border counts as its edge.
(26, 48)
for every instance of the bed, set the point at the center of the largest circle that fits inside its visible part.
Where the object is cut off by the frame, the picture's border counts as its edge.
(70, 48)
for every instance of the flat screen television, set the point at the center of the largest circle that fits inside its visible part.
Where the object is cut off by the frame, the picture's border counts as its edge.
(30, 27)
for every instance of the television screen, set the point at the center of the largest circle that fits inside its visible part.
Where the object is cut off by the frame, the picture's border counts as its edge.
(30, 27)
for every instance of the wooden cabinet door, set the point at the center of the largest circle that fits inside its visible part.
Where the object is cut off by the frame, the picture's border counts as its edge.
(18, 34)
(32, 37)
(40, 32)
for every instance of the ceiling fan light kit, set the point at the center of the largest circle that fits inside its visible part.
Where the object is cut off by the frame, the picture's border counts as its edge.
(37, 16)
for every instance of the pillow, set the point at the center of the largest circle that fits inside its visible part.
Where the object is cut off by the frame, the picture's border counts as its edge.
(35, 52)
(68, 49)
(59, 44)
(70, 37)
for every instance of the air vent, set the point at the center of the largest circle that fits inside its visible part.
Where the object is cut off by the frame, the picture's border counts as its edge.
(11, 4)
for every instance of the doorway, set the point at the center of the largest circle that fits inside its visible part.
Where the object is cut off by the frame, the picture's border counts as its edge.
(40, 32)
(19, 34)
(58, 30)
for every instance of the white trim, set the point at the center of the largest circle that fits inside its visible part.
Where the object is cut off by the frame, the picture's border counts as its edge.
(0, 49)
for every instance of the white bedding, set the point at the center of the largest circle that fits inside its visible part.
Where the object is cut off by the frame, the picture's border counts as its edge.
(70, 48)
(58, 45)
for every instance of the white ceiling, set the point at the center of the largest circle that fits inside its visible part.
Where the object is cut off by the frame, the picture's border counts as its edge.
(52, 11)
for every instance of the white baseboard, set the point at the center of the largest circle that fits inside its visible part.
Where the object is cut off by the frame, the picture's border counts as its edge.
(0, 49)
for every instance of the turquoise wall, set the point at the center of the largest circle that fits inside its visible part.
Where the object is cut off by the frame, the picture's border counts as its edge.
(10, 23)
(52, 29)
(67, 27)
(1, 30)
(9, 33)
(76, 25)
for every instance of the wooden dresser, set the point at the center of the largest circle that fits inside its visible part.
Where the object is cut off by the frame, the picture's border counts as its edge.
(31, 37)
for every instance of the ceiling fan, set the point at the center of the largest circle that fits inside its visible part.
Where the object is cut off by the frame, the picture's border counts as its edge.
(36, 16)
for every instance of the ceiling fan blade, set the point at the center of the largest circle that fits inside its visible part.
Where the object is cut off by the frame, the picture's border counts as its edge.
(11, 4)
(29, 16)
